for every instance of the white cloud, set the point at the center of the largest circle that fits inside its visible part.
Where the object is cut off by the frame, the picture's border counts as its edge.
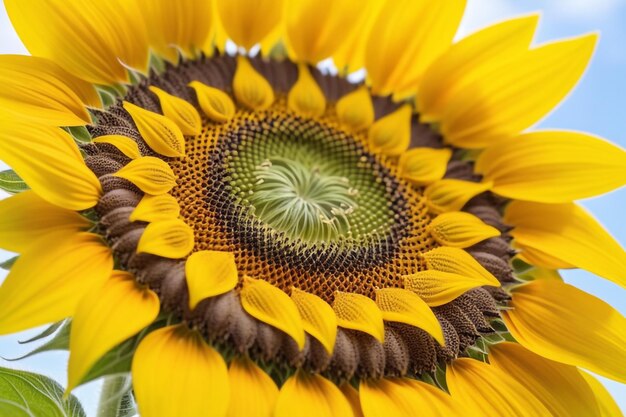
(585, 9)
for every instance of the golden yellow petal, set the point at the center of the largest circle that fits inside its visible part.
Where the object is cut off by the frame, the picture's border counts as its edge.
(460, 230)
(404, 306)
(355, 110)
(160, 133)
(154, 208)
(315, 29)
(437, 288)
(391, 135)
(247, 22)
(100, 34)
(25, 218)
(198, 381)
(457, 261)
(250, 88)
(180, 111)
(565, 235)
(152, 175)
(253, 393)
(209, 273)
(352, 395)
(39, 91)
(561, 388)
(48, 159)
(107, 315)
(270, 305)
(607, 405)
(318, 318)
(47, 282)
(358, 312)
(406, 38)
(401, 397)
(472, 59)
(517, 95)
(451, 194)
(311, 395)
(306, 97)
(125, 144)
(484, 390)
(183, 25)
(560, 322)
(168, 238)
(423, 166)
(216, 104)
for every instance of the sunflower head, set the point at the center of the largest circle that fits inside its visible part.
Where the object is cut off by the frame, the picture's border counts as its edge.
(264, 229)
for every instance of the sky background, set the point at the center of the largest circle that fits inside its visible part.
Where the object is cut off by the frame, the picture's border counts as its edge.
(598, 105)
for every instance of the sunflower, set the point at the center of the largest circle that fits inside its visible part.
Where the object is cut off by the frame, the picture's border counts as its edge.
(317, 247)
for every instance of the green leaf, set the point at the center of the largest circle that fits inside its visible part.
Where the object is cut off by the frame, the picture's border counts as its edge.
(49, 330)
(8, 264)
(25, 394)
(116, 399)
(11, 182)
(60, 341)
(127, 405)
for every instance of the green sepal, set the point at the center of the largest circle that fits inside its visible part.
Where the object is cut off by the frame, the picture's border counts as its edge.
(60, 341)
(79, 133)
(11, 182)
(8, 264)
(47, 332)
(25, 394)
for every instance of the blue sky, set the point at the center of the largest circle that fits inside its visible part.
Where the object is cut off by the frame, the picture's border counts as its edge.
(598, 105)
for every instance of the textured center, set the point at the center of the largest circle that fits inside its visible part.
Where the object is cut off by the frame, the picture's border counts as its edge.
(303, 200)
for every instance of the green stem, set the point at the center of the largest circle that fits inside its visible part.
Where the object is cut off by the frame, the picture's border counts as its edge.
(111, 396)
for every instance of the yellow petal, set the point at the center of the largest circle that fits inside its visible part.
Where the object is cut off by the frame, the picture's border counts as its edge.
(407, 37)
(216, 104)
(350, 56)
(154, 208)
(26, 217)
(561, 388)
(391, 134)
(49, 161)
(47, 282)
(405, 397)
(197, 383)
(437, 288)
(152, 175)
(159, 132)
(315, 29)
(39, 91)
(180, 112)
(424, 165)
(607, 405)
(126, 145)
(553, 166)
(177, 25)
(270, 305)
(457, 261)
(209, 273)
(569, 234)
(471, 59)
(250, 88)
(306, 97)
(517, 95)
(484, 390)
(168, 238)
(106, 316)
(358, 312)
(404, 306)
(451, 195)
(460, 230)
(355, 110)
(253, 393)
(318, 318)
(560, 322)
(352, 395)
(247, 22)
(305, 395)
(98, 33)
